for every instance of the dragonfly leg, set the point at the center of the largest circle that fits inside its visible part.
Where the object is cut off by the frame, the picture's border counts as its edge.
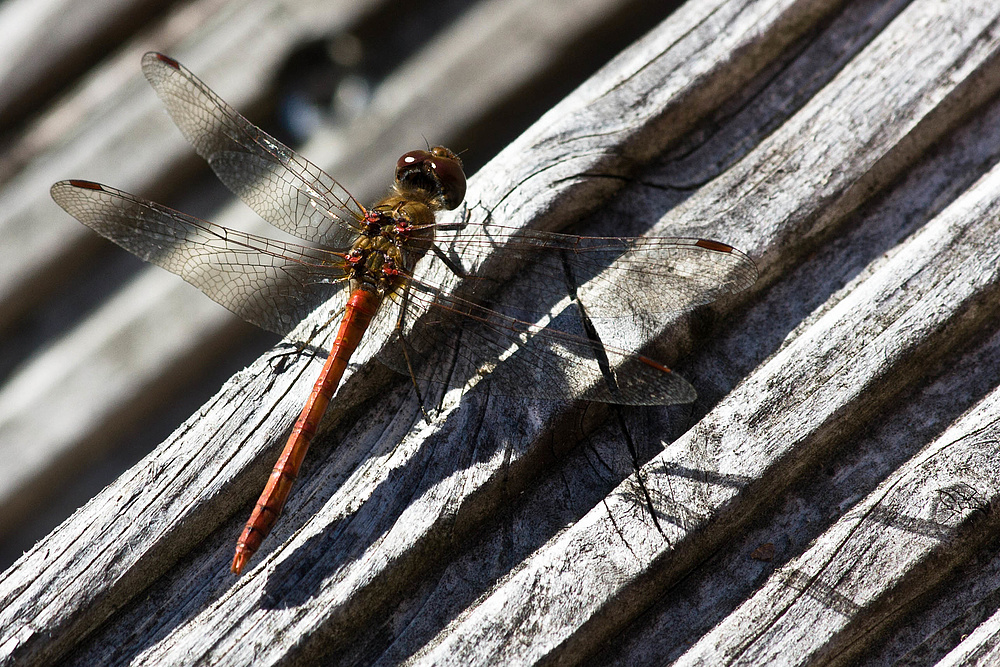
(449, 262)
(466, 216)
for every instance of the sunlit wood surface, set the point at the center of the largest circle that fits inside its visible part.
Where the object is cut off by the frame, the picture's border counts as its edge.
(829, 498)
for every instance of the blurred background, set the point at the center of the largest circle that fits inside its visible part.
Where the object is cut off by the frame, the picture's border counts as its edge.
(101, 356)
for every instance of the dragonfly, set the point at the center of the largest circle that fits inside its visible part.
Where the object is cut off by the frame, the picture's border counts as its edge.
(394, 271)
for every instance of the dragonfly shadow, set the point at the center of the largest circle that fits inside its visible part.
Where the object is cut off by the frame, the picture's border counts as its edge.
(515, 522)
(427, 494)
(284, 352)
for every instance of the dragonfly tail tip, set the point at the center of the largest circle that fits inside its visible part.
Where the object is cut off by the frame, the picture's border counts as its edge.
(240, 562)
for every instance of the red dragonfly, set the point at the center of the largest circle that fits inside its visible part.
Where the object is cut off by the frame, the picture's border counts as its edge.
(364, 267)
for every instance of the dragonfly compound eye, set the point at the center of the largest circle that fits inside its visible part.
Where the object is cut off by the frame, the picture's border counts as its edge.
(438, 172)
(448, 168)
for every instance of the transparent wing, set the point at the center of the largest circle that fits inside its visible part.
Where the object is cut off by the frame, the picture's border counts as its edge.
(268, 283)
(522, 358)
(550, 336)
(284, 188)
(623, 275)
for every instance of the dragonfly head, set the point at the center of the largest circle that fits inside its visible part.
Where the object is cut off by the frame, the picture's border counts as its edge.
(436, 173)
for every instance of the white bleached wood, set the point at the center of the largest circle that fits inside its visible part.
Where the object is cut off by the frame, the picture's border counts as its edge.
(979, 648)
(120, 365)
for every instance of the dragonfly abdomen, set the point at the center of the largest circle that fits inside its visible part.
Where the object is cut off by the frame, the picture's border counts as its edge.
(361, 308)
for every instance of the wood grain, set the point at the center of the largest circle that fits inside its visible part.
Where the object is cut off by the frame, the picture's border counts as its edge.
(846, 411)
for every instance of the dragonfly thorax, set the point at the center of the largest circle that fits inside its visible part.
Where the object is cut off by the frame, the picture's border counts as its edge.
(376, 261)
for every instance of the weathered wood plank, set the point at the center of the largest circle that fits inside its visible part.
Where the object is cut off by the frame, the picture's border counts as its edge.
(980, 648)
(354, 571)
(164, 537)
(903, 538)
(574, 592)
(119, 366)
(719, 584)
(42, 39)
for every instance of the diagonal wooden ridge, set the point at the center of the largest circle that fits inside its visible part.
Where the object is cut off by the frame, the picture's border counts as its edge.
(849, 148)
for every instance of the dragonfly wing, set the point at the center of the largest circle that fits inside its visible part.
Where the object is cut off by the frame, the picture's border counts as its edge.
(552, 359)
(266, 282)
(615, 277)
(284, 188)
(568, 325)
(657, 275)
